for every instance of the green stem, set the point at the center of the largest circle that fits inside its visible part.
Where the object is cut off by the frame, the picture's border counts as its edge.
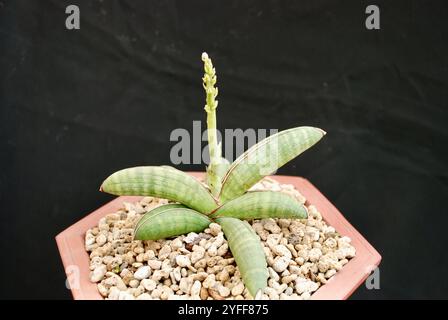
(213, 170)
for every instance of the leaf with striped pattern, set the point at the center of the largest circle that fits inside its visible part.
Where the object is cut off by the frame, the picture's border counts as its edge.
(169, 221)
(156, 210)
(247, 251)
(261, 205)
(163, 182)
(266, 157)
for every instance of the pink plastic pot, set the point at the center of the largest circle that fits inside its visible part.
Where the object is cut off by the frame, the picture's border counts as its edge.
(76, 260)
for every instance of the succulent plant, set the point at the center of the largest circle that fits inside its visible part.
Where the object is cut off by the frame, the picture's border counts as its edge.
(224, 197)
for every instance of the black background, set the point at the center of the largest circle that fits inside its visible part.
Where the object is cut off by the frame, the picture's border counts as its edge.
(78, 105)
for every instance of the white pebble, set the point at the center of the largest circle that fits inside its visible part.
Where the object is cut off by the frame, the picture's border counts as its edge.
(148, 284)
(98, 273)
(144, 296)
(215, 228)
(271, 225)
(209, 282)
(142, 273)
(101, 239)
(223, 291)
(280, 264)
(281, 250)
(125, 296)
(197, 254)
(305, 285)
(154, 264)
(314, 254)
(195, 290)
(183, 261)
(238, 289)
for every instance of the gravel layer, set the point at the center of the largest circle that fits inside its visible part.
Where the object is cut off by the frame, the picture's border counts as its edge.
(302, 255)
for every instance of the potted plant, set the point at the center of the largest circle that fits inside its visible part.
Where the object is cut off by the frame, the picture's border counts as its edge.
(180, 237)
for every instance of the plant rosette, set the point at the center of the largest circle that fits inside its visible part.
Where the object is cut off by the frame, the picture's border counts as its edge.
(235, 235)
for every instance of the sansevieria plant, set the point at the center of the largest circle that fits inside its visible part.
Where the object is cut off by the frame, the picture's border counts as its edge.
(225, 198)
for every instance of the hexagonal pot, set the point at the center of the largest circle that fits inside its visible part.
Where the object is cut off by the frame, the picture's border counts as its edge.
(76, 260)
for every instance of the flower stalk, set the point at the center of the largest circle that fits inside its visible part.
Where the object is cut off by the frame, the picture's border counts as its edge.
(217, 166)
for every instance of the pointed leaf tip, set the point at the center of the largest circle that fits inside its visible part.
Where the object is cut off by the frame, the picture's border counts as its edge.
(163, 182)
(262, 205)
(266, 157)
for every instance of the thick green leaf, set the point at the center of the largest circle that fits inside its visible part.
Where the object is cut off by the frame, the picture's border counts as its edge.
(156, 210)
(265, 158)
(169, 221)
(247, 251)
(163, 182)
(260, 205)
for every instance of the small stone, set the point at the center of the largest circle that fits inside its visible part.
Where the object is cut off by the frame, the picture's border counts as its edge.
(289, 291)
(114, 280)
(212, 251)
(101, 239)
(154, 264)
(330, 273)
(272, 293)
(195, 289)
(177, 274)
(222, 250)
(114, 293)
(281, 250)
(215, 228)
(176, 244)
(164, 252)
(191, 237)
(156, 293)
(138, 291)
(142, 273)
(273, 274)
(149, 255)
(223, 291)
(90, 239)
(144, 296)
(159, 274)
(185, 285)
(305, 285)
(98, 273)
(331, 243)
(125, 296)
(209, 282)
(149, 284)
(197, 254)
(223, 276)
(201, 276)
(134, 283)
(314, 254)
(204, 293)
(273, 239)
(305, 295)
(103, 290)
(280, 264)
(183, 261)
(238, 289)
(271, 225)
(219, 240)
(166, 293)
(288, 279)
